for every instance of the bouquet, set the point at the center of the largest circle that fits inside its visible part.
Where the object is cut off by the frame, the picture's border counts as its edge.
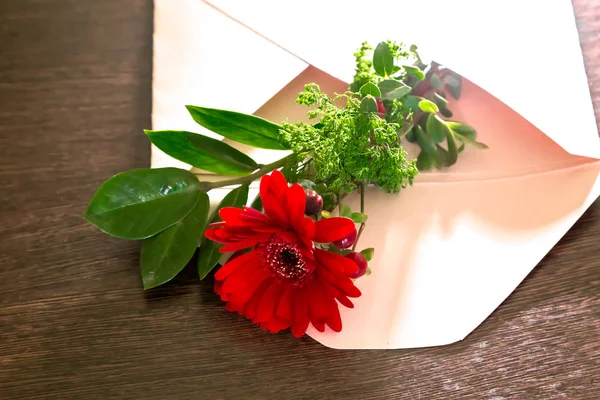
(293, 255)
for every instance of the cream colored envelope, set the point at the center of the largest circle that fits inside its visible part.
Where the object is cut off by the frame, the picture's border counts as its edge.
(451, 248)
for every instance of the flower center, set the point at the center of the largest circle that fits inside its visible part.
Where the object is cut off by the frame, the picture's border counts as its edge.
(284, 261)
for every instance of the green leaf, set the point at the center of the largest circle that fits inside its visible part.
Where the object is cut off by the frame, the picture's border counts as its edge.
(383, 61)
(428, 106)
(243, 128)
(446, 112)
(202, 152)
(462, 129)
(471, 142)
(139, 203)
(370, 88)
(368, 105)
(391, 89)
(454, 84)
(440, 101)
(163, 256)
(414, 71)
(436, 82)
(462, 146)
(307, 184)
(358, 217)
(425, 142)
(410, 136)
(436, 128)
(326, 214)
(368, 253)
(443, 157)
(345, 210)
(257, 203)
(412, 102)
(452, 149)
(425, 161)
(208, 253)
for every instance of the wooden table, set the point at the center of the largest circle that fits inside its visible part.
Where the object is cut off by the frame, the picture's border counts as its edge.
(75, 89)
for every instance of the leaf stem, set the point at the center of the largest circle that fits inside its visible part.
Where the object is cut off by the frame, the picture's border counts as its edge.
(265, 169)
(361, 188)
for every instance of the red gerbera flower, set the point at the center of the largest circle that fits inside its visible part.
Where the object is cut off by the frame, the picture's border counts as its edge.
(284, 281)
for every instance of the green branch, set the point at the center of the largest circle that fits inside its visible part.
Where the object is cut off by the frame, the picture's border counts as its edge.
(265, 169)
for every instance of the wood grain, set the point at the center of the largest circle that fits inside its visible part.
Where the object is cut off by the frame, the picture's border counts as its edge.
(75, 89)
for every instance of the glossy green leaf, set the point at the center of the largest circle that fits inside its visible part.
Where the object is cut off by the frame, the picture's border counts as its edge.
(425, 161)
(243, 128)
(202, 152)
(383, 61)
(412, 102)
(446, 112)
(452, 149)
(425, 141)
(208, 253)
(462, 129)
(358, 217)
(307, 184)
(462, 146)
(345, 210)
(436, 128)
(454, 85)
(368, 253)
(428, 106)
(139, 203)
(410, 136)
(391, 89)
(440, 101)
(443, 157)
(257, 203)
(370, 88)
(164, 255)
(328, 201)
(471, 142)
(436, 82)
(414, 71)
(368, 105)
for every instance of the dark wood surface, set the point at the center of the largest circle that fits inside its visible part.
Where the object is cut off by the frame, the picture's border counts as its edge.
(75, 89)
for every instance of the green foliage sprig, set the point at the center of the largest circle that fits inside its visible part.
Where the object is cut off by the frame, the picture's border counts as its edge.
(414, 95)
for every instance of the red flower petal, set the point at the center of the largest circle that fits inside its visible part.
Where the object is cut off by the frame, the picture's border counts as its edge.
(336, 262)
(266, 308)
(342, 282)
(234, 264)
(344, 301)
(336, 293)
(334, 321)
(238, 278)
(275, 325)
(306, 230)
(300, 314)
(240, 298)
(284, 308)
(278, 183)
(252, 305)
(211, 234)
(237, 246)
(272, 192)
(230, 213)
(331, 229)
(317, 301)
(295, 202)
(320, 326)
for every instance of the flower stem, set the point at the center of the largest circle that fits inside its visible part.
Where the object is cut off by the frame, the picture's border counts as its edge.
(361, 188)
(264, 169)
